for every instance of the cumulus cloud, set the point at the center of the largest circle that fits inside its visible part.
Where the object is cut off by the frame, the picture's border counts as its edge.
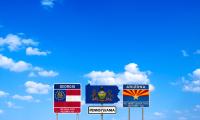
(3, 94)
(38, 71)
(36, 51)
(15, 42)
(50, 73)
(197, 108)
(10, 64)
(197, 52)
(159, 114)
(21, 66)
(131, 75)
(184, 53)
(192, 85)
(151, 87)
(82, 102)
(48, 3)
(32, 74)
(12, 105)
(120, 103)
(182, 118)
(23, 98)
(196, 74)
(37, 88)
(37, 101)
(102, 77)
(1, 111)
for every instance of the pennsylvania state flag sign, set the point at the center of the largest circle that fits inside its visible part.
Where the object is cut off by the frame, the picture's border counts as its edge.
(135, 95)
(101, 94)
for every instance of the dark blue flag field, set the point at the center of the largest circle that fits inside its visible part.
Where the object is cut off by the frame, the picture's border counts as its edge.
(101, 94)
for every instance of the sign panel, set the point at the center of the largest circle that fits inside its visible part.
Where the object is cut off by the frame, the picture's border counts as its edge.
(67, 98)
(101, 94)
(136, 95)
(102, 109)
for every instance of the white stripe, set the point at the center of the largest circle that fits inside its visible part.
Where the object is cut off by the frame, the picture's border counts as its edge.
(73, 98)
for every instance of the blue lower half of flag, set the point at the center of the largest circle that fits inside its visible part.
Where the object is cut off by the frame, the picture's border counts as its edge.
(142, 101)
(131, 98)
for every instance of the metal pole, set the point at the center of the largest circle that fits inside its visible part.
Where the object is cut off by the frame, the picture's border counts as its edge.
(56, 116)
(102, 113)
(129, 114)
(142, 113)
(77, 116)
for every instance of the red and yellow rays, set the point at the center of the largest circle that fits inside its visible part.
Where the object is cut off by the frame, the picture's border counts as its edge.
(136, 93)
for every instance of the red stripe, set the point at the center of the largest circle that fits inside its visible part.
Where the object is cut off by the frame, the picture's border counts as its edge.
(67, 104)
(73, 92)
(67, 110)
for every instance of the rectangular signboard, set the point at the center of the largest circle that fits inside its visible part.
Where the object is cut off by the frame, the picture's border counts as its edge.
(101, 94)
(136, 95)
(102, 109)
(67, 98)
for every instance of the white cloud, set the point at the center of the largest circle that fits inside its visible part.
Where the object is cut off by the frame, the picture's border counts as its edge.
(194, 84)
(131, 75)
(178, 112)
(24, 98)
(114, 118)
(151, 87)
(37, 88)
(82, 102)
(197, 108)
(12, 105)
(50, 73)
(197, 52)
(10, 64)
(182, 118)
(32, 74)
(48, 3)
(29, 42)
(44, 73)
(196, 74)
(37, 101)
(15, 42)
(1, 111)
(3, 94)
(159, 114)
(21, 66)
(102, 77)
(184, 53)
(120, 103)
(36, 51)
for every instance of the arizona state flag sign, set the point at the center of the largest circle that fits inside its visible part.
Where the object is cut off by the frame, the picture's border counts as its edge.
(136, 95)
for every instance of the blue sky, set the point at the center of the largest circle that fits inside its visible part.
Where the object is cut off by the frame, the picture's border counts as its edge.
(43, 42)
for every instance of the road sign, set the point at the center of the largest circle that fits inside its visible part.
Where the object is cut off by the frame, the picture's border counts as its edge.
(101, 94)
(67, 98)
(136, 95)
(102, 110)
